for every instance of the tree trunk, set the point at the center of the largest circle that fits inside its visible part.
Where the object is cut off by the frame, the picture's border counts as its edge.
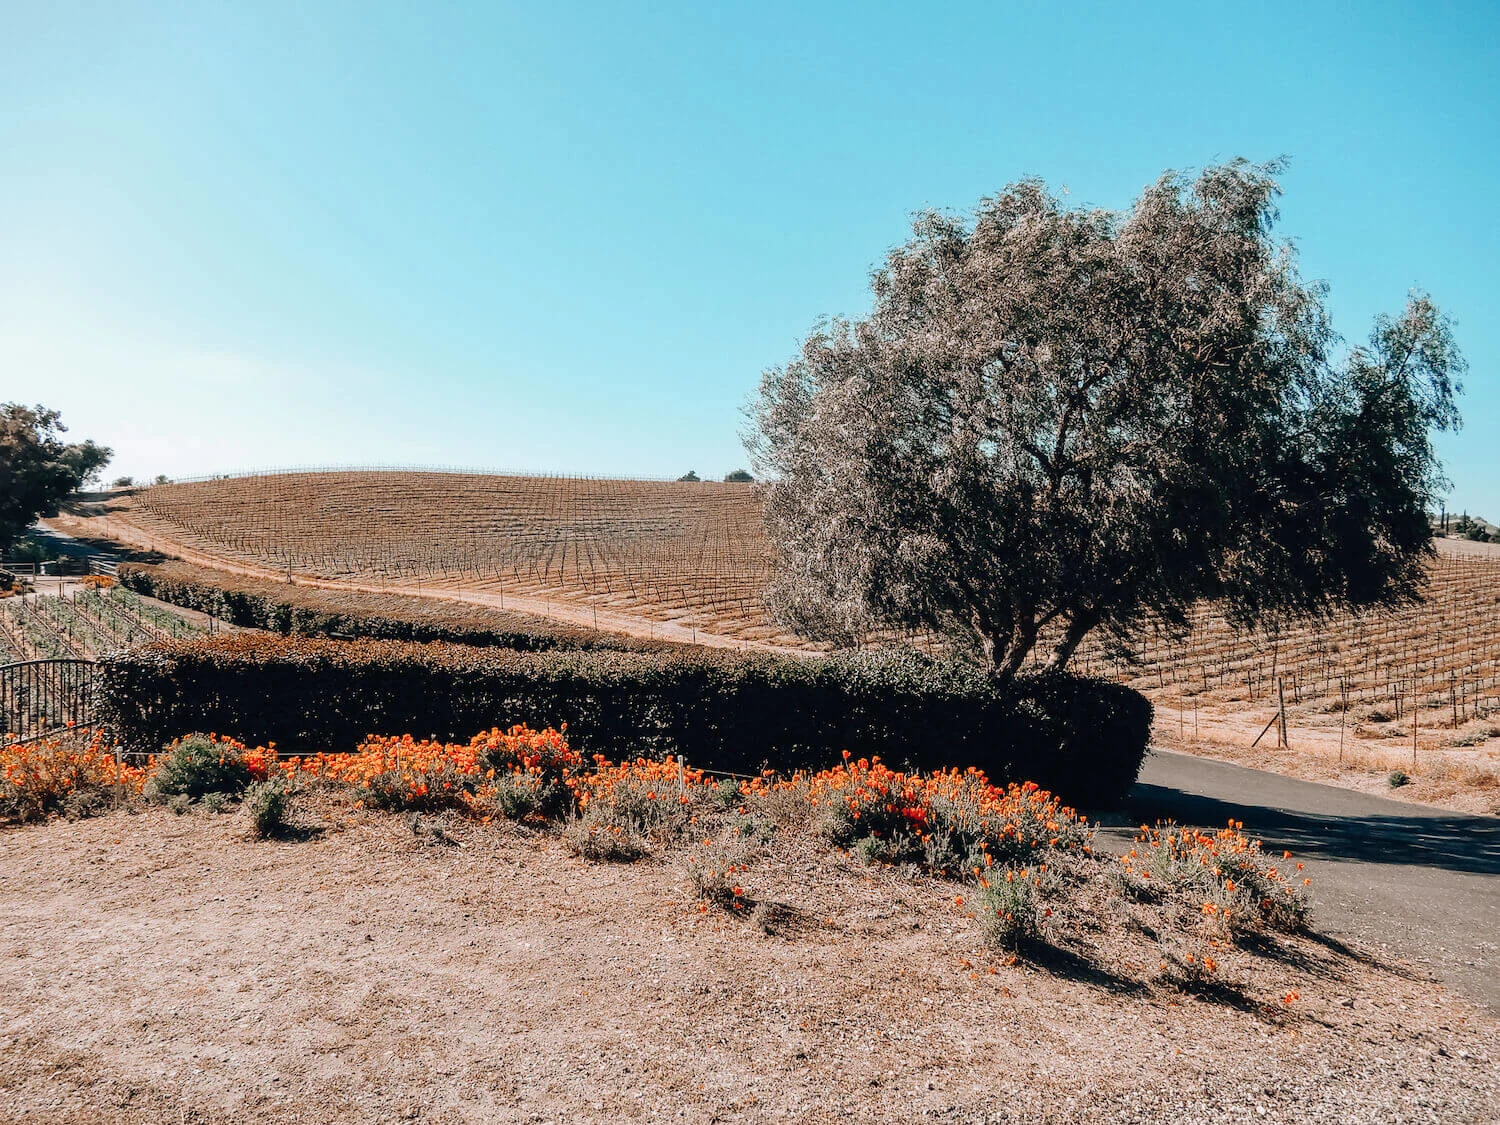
(1022, 641)
(1079, 626)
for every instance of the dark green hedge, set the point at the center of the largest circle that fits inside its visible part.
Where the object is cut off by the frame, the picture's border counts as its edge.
(308, 611)
(1082, 738)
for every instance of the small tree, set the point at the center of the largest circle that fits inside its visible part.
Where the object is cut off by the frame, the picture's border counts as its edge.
(1471, 529)
(1056, 421)
(37, 469)
(739, 476)
(689, 476)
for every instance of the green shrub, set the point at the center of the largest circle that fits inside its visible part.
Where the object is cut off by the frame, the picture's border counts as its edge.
(197, 766)
(605, 834)
(1081, 738)
(266, 802)
(278, 607)
(1397, 778)
(1012, 909)
(213, 802)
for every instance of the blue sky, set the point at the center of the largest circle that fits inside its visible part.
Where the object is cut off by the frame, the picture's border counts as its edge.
(569, 237)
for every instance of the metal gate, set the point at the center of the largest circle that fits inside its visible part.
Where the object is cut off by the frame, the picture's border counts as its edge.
(38, 697)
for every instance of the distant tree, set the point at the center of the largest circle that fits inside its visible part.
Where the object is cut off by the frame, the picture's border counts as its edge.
(739, 476)
(37, 469)
(1056, 421)
(1471, 529)
(161, 478)
(122, 482)
(689, 476)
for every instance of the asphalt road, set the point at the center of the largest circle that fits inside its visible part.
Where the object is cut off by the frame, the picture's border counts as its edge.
(1417, 886)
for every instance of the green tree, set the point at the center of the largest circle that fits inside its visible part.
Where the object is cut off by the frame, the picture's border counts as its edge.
(739, 476)
(1056, 421)
(37, 468)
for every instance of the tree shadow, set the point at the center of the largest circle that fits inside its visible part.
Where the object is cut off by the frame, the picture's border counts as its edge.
(1068, 964)
(1452, 841)
(782, 919)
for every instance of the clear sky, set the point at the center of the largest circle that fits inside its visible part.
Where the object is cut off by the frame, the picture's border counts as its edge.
(569, 237)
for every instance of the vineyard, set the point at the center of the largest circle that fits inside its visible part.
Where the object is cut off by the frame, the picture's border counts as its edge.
(675, 551)
(1445, 649)
(85, 624)
(697, 553)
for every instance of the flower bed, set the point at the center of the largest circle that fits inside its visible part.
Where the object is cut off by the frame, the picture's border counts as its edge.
(49, 776)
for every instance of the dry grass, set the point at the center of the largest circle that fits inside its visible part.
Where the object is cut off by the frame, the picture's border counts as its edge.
(157, 968)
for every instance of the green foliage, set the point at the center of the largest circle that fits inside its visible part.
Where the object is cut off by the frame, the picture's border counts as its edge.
(739, 476)
(1397, 778)
(37, 469)
(266, 802)
(606, 833)
(197, 766)
(1057, 420)
(1471, 529)
(1082, 738)
(213, 802)
(306, 611)
(1012, 909)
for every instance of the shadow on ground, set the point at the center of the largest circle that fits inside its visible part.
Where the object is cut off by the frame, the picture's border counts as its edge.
(1454, 841)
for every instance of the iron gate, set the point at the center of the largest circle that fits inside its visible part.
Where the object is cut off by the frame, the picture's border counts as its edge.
(38, 697)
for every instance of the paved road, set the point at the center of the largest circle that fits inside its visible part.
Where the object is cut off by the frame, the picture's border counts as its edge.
(1419, 885)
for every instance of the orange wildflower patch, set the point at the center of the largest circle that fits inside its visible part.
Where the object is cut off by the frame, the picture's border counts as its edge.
(407, 773)
(951, 821)
(38, 778)
(1238, 883)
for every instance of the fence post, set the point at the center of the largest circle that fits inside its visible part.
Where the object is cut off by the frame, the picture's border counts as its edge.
(1281, 710)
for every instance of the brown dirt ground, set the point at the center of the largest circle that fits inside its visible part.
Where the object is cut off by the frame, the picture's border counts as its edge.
(156, 968)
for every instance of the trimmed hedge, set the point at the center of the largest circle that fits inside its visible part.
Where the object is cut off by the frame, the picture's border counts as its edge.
(308, 611)
(1082, 738)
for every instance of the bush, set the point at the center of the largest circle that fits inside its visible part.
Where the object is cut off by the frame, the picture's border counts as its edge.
(277, 607)
(266, 802)
(74, 773)
(198, 765)
(516, 774)
(1082, 738)
(950, 823)
(1012, 909)
(1241, 888)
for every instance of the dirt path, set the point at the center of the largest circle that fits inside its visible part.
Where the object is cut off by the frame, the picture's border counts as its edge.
(1422, 884)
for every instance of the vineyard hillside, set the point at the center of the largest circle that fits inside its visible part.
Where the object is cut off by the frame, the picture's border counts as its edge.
(691, 559)
(688, 553)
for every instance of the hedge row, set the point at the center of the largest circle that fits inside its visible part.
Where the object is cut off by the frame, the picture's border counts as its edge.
(279, 607)
(1082, 738)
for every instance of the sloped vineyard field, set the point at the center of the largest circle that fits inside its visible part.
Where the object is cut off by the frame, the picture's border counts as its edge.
(697, 553)
(664, 550)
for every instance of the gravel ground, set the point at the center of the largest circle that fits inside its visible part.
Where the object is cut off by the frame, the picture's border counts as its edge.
(156, 968)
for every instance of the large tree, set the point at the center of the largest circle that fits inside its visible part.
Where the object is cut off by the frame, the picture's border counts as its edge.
(1059, 420)
(37, 468)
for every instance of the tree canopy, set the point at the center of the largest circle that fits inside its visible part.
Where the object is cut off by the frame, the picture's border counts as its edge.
(37, 468)
(1059, 420)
